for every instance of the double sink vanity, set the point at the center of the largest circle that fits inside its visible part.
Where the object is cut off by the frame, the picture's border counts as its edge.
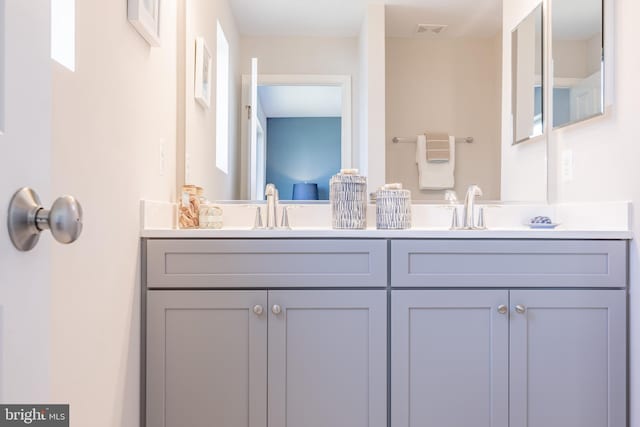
(271, 324)
(319, 327)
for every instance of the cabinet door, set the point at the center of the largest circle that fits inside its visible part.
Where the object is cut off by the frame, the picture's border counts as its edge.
(327, 358)
(206, 359)
(568, 363)
(449, 358)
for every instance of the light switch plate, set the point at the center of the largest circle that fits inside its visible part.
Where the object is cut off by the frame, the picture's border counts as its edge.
(567, 166)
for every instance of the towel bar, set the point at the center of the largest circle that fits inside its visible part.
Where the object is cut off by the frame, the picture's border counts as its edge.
(396, 139)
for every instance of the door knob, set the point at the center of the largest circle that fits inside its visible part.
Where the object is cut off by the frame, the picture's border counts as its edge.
(27, 218)
(276, 309)
(257, 309)
(520, 309)
(502, 309)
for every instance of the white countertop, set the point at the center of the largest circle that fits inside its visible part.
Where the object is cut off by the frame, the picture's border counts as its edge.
(600, 221)
(434, 233)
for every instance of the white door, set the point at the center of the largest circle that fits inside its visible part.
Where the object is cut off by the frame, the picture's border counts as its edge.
(25, 135)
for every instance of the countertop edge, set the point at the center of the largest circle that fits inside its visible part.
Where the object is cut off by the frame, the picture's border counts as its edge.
(387, 234)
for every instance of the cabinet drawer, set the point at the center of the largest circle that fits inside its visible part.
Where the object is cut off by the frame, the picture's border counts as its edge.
(509, 263)
(266, 263)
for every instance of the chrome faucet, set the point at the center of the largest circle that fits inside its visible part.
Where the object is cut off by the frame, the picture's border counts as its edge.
(469, 207)
(271, 192)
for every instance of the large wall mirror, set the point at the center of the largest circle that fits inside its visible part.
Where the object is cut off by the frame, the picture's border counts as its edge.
(527, 77)
(298, 113)
(578, 54)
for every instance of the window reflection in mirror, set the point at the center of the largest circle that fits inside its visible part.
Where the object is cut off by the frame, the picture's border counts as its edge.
(527, 78)
(577, 60)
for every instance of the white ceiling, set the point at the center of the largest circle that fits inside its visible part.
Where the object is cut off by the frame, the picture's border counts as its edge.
(576, 19)
(300, 101)
(478, 18)
(343, 18)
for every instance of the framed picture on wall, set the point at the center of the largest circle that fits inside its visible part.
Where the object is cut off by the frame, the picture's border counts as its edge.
(144, 15)
(204, 62)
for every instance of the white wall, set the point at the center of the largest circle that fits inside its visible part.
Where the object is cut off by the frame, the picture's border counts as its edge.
(524, 166)
(200, 123)
(606, 151)
(371, 146)
(577, 59)
(445, 85)
(109, 118)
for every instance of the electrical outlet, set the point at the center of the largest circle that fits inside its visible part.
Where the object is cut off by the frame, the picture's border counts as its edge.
(567, 166)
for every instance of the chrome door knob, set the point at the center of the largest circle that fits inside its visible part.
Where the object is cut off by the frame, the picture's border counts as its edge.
(27, 218)
(502, 309)
(520, 309)
(257, 309)
(64, 219)
(276, 309)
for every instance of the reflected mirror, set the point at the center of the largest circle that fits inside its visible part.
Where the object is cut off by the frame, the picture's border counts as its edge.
(301, 89)
(577, 60)
(526, 78)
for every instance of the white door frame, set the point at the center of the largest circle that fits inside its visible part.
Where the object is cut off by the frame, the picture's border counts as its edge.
(342, 81)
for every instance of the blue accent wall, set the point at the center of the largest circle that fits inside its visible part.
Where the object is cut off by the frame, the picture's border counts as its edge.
(561, 106)
(303, 150)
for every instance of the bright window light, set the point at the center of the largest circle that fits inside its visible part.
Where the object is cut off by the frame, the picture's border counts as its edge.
(63, 32)
(222, 101)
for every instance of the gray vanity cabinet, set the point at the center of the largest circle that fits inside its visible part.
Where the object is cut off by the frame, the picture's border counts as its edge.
(206, 359)
(207, 355)
(553, 358)
(328, 358)
(449, 358)
(297, 333)
(568, 358)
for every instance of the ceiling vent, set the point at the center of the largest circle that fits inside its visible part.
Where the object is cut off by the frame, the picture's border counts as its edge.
(430, 28)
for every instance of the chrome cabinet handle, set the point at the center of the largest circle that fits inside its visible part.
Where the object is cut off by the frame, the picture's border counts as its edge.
(257, 309)
(502, 309)
(276, 309)
(27, 218)
(520, 309)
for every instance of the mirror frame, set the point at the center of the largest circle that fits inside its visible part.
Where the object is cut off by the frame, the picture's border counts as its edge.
(603, 72)
(514, 72)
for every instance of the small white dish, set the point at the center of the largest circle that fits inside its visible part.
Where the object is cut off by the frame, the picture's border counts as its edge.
(542, 226)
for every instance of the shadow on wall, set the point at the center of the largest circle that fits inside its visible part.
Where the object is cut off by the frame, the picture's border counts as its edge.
(306, 149)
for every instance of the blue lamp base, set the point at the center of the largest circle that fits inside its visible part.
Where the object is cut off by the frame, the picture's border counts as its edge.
(305, 191)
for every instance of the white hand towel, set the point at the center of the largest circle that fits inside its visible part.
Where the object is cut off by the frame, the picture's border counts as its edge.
(435, 176)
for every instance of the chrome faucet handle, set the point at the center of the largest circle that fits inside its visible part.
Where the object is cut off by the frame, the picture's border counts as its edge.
(455, 220)
(481, 223)
(257, 224)
(285, 218)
